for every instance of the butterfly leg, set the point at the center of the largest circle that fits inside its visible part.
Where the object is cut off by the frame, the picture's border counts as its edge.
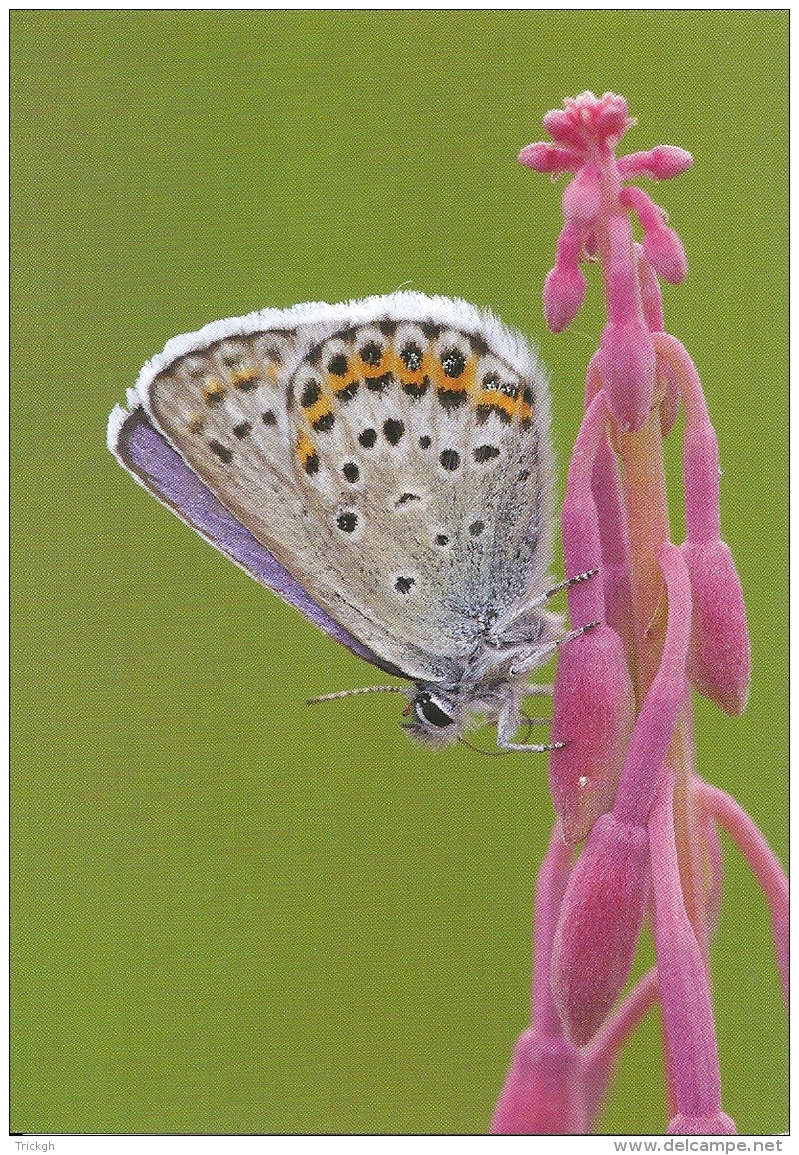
(536, 691)
(508, 723)
(564, 585)
(536, 656)
(539, 691)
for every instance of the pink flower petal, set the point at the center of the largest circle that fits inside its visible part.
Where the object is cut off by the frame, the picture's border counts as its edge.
(564, 291)
(663, 249)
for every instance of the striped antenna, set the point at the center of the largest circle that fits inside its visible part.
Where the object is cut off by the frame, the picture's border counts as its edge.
(359, 690)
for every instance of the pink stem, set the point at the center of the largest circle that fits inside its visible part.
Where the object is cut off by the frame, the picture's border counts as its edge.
(762, 860)
(618, 270)
(646, 754)
(550, 887)
(700, 445)
(684, 983)
(599, 1056)
(651, 296)
(580, 527)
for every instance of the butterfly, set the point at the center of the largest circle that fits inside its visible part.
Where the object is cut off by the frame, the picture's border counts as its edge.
(384, 466)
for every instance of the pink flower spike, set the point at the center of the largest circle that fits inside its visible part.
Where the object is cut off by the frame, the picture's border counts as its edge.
(684, 986)
(600, 920)
(658, 163)
(582, 196)
(546, 158)
(564, 288)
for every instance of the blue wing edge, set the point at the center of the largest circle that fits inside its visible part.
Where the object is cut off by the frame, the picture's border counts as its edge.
(152, 461)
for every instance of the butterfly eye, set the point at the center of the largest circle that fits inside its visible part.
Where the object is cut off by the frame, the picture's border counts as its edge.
(429, 711)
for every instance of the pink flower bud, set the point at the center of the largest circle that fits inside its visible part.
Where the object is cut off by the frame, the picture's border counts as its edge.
(543, 157)
(541, 1094)
(663, 249)
(593, 713)
(600, 920)
(659, 163)
(564, 287)
(718, 659)
(562, 128)
(582, 196)
(612, 119)
(564, 290)
(626, 362)
(667, 160)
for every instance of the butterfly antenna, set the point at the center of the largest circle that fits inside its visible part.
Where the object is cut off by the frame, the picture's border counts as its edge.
(350, 693)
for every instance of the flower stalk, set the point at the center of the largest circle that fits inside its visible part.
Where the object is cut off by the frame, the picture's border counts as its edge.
(665, 620)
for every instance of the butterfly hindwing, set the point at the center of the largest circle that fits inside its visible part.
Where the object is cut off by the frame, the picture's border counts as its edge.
(390, 454)
(422, 450)
(155, 464)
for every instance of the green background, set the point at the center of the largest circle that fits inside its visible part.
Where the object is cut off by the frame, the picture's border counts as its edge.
(231, 912)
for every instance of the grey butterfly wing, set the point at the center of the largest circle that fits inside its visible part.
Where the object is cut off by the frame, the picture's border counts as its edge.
(427, 440)
(391, 461)
(220, 398)
(147, 455)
